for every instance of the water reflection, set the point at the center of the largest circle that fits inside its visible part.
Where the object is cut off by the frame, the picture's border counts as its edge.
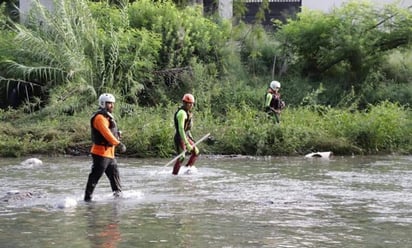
(103, 225)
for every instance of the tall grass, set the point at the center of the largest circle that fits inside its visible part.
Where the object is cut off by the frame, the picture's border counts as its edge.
(148, 132)
(95, 47)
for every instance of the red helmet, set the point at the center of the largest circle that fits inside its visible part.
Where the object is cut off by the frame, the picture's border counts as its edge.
(189, 98)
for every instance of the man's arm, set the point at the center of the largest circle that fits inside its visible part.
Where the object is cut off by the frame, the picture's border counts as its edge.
(102, 125)
(268, 100)
(181, 118)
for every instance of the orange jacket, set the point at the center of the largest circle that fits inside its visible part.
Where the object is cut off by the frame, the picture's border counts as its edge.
(102, 125)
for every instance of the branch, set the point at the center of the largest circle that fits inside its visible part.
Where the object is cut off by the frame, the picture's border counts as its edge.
(173, 71)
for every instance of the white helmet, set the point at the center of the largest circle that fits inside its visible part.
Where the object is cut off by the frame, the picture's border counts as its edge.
(274, 85)
(105, 97)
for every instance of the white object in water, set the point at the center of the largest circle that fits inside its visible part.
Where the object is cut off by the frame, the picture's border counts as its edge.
(318, 155)
(32, 162)
(67, 202)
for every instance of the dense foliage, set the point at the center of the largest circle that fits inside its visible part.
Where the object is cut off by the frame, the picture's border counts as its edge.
(350, 49)
(346, 78)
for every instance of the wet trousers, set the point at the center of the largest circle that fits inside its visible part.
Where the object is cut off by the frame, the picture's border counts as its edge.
(180, 147)
(102, 165)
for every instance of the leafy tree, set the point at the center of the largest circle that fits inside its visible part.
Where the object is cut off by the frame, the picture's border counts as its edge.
(140, 50)
(348, 42)
(72, 57)
(187, 38)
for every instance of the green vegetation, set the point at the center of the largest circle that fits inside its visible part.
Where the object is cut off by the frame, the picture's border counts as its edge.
(346, 78)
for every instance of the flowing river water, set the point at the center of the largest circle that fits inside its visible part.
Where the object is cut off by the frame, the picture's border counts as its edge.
(228, 202)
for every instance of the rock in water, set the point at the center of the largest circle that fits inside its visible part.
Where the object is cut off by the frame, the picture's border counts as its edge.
(13, 196)
(32, 162)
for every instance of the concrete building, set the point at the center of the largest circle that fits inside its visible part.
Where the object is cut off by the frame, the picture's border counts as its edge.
(278, 9)
(25, 6)
(327, 5)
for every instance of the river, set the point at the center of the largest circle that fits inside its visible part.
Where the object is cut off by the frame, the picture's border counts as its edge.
(361, 201)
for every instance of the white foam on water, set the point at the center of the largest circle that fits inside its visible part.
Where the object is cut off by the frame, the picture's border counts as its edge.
(188, 170)
(162, 171)
(126, 195)
(166, 172)
(132, 194)
(66, 203)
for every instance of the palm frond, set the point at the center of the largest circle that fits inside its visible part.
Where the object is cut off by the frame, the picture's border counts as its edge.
(43, 75)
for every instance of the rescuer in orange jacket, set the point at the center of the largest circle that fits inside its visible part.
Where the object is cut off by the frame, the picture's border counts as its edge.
(105, 137)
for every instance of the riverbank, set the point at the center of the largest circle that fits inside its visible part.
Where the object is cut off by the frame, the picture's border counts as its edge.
(148, 132)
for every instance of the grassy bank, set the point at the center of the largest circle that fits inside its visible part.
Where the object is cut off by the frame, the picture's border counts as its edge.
(148, 132)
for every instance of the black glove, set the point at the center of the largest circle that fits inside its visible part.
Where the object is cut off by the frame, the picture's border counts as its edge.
(122, 148)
